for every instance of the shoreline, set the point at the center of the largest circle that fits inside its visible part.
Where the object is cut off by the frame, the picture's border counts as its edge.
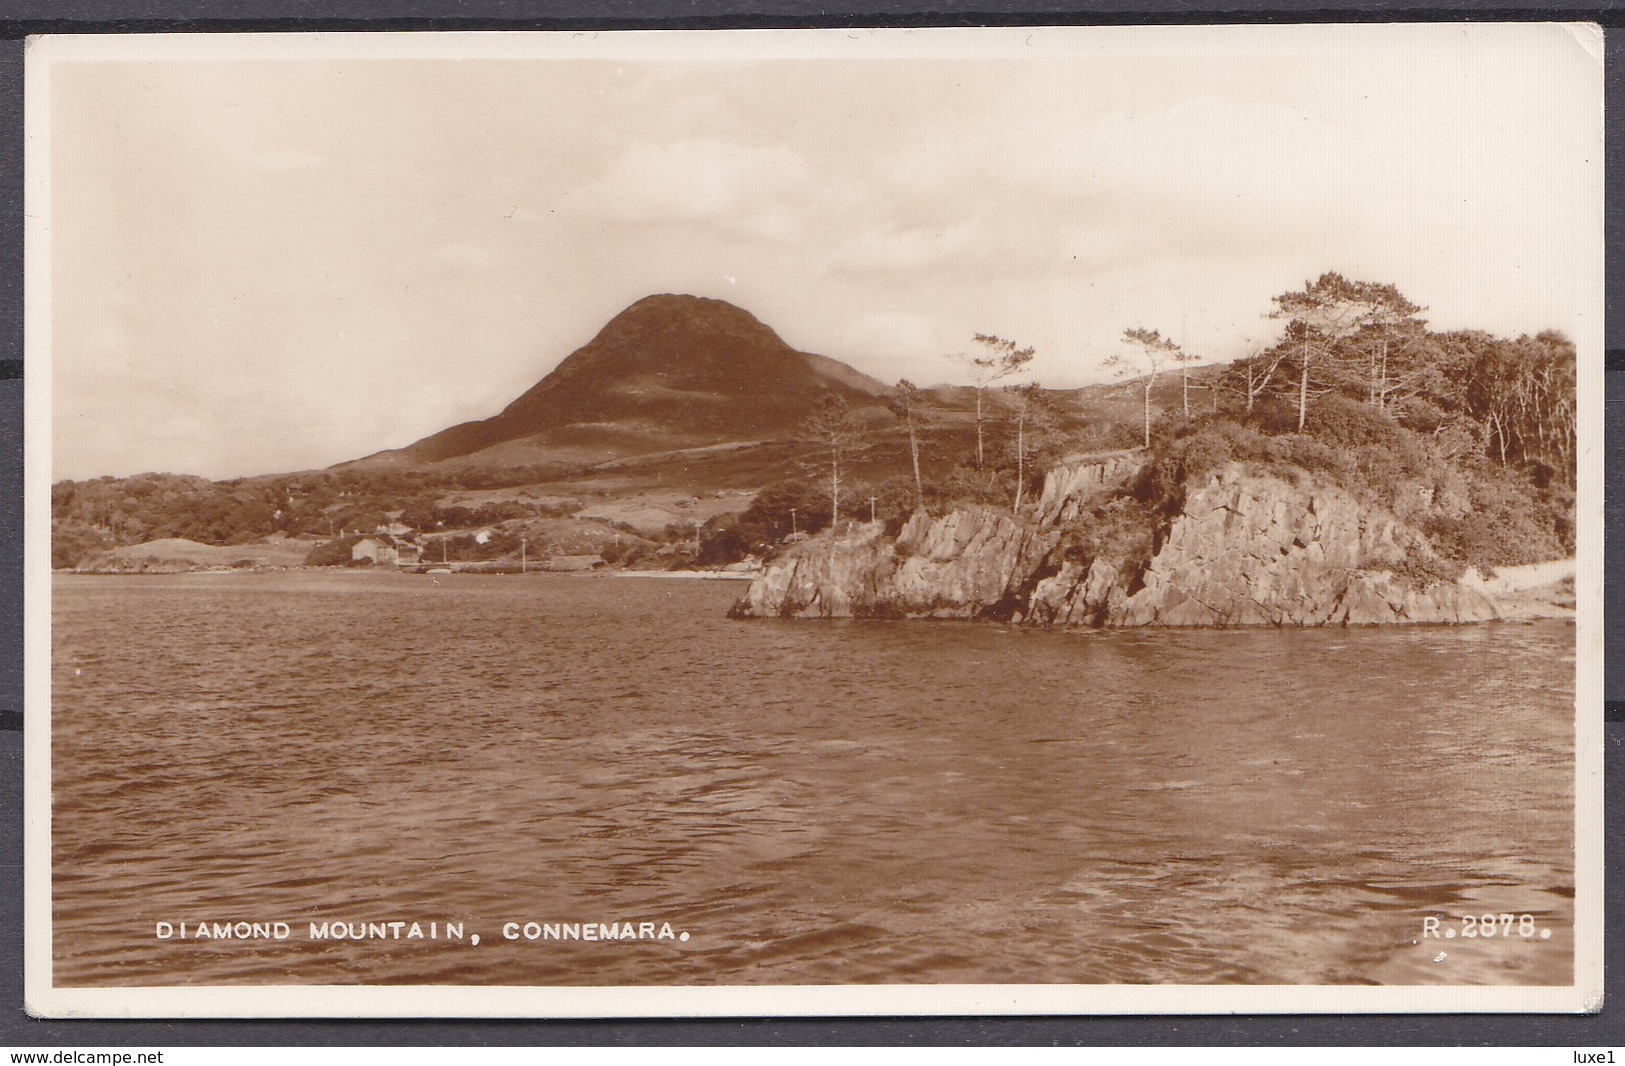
(687, 575)
(1550, 602)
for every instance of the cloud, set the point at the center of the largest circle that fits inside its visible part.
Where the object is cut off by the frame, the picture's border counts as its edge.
(750, 190)
(891, 248)
(461, 256)
(289, 159)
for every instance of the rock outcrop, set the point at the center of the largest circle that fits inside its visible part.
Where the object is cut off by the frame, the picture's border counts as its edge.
(1070, 485)
(967, 564)
(1244, 549)
(1258, 550)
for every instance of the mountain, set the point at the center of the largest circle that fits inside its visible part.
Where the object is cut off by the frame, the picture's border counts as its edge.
(671, 371)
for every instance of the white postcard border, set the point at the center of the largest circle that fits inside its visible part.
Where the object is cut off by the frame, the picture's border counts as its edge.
(44, 998)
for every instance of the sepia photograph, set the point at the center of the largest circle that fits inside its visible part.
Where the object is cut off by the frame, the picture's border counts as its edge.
(815, 522)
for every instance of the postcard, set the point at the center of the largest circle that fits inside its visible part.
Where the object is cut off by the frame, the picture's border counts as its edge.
(821, 522)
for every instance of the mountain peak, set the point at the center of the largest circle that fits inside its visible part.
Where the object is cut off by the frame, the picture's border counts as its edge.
(678, 313)
(676, 368)
(682, 301)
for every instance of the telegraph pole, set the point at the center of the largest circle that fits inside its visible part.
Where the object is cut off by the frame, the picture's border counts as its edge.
(872, 500)
(523, 559)
(793, 530)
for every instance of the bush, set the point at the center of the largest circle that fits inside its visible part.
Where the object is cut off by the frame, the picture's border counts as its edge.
(561, 509)
(71, 545)
(1560, 502)
(1509, 525)
(769, 519)
(677, 532)
(332, 552)
(719, 547)
(1306, 453)
(1172, 425)
(966, 486)
(1424, 569)
(1103, 437)
(1208, 451)
(1193, 450)
(624, 552)
(1123, 529)
(895, 501)
(1342, 422)
(1274, 416)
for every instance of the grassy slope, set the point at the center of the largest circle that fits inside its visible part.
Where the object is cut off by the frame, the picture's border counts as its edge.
(176, 550)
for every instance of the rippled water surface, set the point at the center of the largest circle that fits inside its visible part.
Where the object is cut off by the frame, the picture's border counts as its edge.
(810, 802)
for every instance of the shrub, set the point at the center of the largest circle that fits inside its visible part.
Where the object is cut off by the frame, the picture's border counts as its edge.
(1306, 453)
(768, 519)
(1507, 526)
(1190, 451)
(721, 546)
(1172, 425)
(966, 486)
(1208, 451)
(1273, 415)
(1103, 437)
(1424, 569)
(72, 544)
(559, 509)
(332, 552)
(1342, 422)
(1123, 529)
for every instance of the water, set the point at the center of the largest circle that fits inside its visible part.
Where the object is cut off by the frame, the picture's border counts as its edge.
(811, 802)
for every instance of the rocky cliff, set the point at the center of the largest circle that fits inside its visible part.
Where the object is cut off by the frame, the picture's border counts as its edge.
(1245, 548)
(967, 564)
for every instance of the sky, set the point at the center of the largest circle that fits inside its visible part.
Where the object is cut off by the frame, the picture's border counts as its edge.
(269, 256)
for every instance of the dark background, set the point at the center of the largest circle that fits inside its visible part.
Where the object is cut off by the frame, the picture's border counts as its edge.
(19, 18)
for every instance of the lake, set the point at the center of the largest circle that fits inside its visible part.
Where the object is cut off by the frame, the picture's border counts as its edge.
(787, 802)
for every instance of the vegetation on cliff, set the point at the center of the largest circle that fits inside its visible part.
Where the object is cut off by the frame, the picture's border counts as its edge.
(1469, 438)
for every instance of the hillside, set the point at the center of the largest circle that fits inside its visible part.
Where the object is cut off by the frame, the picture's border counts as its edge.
(671, 371)
(173, 555)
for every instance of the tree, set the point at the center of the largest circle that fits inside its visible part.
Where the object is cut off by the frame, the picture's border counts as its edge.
(831, 425)
(1524, 394)
(904, 402)
(1396, 363)
(1003, 359)
(780, 509)
(1035, 429)
(1150, 351)
(1185, 386)
(1251, 375)
(1390, 333)
(1328, 311)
